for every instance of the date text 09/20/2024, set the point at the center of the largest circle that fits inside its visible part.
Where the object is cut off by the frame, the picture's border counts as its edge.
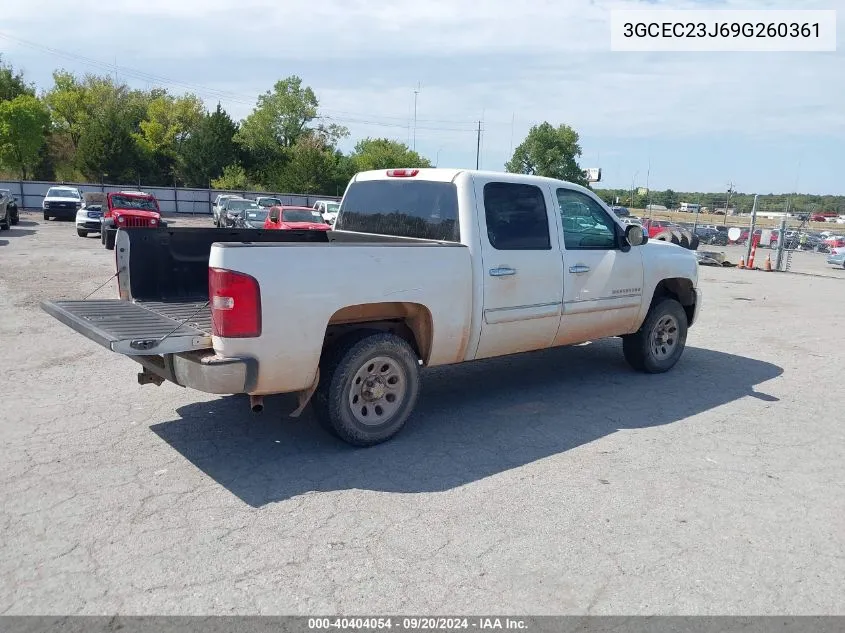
(416, 623)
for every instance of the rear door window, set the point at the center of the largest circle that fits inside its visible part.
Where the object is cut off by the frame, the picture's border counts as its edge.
(403, 208)
(516, 217)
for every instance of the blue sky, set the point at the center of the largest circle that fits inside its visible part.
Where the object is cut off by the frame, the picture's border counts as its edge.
(765, 121)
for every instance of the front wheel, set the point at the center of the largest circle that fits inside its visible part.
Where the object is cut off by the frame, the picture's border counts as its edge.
(46, 216)
(368, 387)
(660, 341)
(111, 234)
(81, 233)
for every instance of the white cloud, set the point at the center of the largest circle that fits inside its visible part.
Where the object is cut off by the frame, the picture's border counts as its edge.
(539, 59)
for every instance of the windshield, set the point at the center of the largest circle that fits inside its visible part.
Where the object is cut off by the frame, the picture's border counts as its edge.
(241, 205)
(133, 202)
(301, 215)
(404, 208)
(332, 207)
(256, 216)
(270, 202)
(57, 192)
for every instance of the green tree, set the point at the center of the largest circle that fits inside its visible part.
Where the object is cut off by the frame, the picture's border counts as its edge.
(209, 149)
(549, 151)
(311, 167)
(12, 83)
(24, 122)
(234, 178)
(280, 116)
(168, 123)
(668, 199)
(382, 153)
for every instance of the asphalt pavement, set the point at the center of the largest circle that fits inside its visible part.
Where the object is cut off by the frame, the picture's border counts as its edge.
(559, 482)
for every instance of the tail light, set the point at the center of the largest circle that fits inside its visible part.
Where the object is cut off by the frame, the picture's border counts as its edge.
(402, 173)
(235, 304)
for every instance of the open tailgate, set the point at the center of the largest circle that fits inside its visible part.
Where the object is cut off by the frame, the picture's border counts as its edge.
(138, 329)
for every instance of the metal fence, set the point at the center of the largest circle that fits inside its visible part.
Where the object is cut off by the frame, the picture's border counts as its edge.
(171, 200)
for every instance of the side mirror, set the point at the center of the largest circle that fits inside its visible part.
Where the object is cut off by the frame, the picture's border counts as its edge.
(634, 235)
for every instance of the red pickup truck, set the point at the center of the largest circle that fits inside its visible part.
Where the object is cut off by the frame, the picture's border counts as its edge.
(129, 209)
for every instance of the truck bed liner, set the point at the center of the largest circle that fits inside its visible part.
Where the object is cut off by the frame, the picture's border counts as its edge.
(138, 328)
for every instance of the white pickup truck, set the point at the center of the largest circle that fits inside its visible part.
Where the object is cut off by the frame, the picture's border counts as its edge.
(425, 267)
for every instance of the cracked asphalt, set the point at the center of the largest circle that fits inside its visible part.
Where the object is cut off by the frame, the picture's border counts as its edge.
(554, 483)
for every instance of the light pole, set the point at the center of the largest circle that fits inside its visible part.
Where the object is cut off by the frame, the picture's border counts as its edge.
(632, 188)
(416, 92)
(437, 160)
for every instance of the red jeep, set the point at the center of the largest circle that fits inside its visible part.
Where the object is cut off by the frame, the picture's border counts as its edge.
(129, 209)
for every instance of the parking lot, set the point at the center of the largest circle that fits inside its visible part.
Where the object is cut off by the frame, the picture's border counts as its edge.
(558, 482)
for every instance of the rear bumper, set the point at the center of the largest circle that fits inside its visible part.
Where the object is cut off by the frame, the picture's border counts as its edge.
(204, 371)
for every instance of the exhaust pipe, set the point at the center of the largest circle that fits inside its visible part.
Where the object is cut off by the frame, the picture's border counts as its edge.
(256, 403)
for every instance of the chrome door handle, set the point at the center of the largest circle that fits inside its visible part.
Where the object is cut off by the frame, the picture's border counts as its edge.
(579, 268)
(502, 271)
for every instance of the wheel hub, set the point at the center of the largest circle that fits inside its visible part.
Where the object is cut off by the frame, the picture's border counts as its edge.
(374, 389)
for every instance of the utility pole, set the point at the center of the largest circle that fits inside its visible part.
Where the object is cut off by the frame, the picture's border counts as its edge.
(513, 120)
(478, 148)
(648, 189)
(728, 199)
(416, 92)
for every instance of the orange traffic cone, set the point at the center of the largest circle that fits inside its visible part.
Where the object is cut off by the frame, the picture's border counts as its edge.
(741, 262)
(768, 265)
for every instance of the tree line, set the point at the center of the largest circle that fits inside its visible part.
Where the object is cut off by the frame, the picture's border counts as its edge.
(93, 128)
(742, 202)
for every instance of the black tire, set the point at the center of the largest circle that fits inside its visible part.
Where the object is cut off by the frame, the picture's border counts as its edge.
(6, 224)
(111, 234)
(694, 242)
(343, 363)
(102, 235)
(46, 216)
(15, 217)
(81, 233)
(638, 349)
(685, 241)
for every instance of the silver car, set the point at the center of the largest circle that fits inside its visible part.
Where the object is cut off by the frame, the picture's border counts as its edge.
(837, 257)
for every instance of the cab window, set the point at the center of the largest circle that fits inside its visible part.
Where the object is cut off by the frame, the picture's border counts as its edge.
(516, 217)
(586, 226)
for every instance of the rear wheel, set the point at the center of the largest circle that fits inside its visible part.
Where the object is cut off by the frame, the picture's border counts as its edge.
(660, 341)
(368, 387)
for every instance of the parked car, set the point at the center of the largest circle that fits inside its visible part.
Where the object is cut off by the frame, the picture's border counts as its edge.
(62, 203)
(217, 207)
(296, 218)
(129, 209)
(427, 267)
(251, 219)
(620, 212)
(233, 210)
(835, 241)
(837, 258)
(267, 201)
(328, 209)
(5, 211)
(11, 203)
(89, 219)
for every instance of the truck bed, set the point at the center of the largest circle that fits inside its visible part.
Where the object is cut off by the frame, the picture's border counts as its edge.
(163, 284)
